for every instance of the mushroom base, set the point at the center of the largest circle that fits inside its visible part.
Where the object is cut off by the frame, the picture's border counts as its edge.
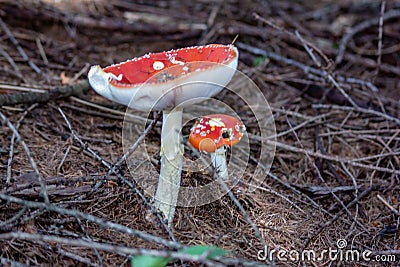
(218, 159)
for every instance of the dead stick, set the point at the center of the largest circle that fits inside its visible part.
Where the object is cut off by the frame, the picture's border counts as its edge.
(8, 262)
(360, 27)
(28, 98)
(346, 160)
(20, 50)
(43, 189)
(384, 201)
(202, 259)
(306, 69)
(97, 220)
(13, 137)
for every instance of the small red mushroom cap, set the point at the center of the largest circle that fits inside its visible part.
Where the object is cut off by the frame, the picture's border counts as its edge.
(213, 131)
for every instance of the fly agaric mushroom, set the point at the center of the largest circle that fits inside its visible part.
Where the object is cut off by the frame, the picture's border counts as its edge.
(213, 134)
(168, 81)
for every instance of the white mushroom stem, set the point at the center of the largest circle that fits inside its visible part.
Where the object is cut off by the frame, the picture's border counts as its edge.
(218, 159)
(171, 164)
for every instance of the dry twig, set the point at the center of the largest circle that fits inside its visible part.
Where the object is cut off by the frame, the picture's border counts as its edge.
(28, 98)
(306, 69)
(19, 139)
(359, 28)
(20, 50)
(126, 251)
(11, 154)
(101, 222)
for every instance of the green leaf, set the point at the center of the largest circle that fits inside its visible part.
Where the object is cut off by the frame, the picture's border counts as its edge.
(149, 261)
(153, 261)
(259, 60)
(200, 250)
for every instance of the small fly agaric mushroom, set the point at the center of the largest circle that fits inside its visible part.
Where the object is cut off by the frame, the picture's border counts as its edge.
(168, 81)
(214, 133)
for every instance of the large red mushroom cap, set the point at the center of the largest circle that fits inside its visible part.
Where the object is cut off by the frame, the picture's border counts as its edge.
(164, 80)
(213, 131)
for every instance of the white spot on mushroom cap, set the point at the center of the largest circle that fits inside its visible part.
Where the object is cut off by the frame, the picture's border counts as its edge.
(216, 122)
(158, 65)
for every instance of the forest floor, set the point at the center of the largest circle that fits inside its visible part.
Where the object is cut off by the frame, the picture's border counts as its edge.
(329, 71)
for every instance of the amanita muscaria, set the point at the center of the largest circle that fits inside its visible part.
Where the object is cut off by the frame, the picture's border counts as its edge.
(168, 81)
(213, 134)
